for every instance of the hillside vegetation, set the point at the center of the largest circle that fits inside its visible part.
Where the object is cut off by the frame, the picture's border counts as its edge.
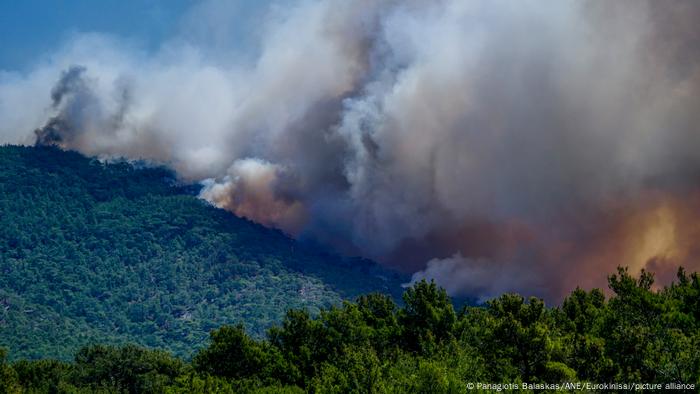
(638, 336)
(92, 252)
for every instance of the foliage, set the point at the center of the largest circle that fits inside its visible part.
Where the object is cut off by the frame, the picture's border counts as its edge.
(8, 376)
(375, 346)
(98, 252)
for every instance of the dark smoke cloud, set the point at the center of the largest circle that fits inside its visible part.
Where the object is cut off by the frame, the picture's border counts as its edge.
(491, 145)
(69, 97)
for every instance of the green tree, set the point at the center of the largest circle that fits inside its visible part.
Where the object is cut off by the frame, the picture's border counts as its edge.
(427, 318)
(233, 354)
(379, 313)
(520, 343)
(129, 368)
(581, 318)
(355, 371)
(8, 377)
(43, 376)
(632, 324)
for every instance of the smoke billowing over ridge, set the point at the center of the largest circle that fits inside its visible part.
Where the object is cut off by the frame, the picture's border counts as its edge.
(491, 145)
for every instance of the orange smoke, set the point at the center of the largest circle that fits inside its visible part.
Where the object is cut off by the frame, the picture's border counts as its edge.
(252, 190)
(658, 232)
(654, 230)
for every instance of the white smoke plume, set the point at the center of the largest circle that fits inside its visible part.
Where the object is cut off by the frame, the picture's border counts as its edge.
(484, 279)
(486, 139)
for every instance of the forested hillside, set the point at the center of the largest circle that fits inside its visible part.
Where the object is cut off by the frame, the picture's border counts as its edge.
(112, 253)
(638, 336)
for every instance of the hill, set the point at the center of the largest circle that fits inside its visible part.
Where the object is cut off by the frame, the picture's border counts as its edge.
(114, 253)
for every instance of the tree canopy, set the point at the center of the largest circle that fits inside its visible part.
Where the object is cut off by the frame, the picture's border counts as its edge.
(373, 345)
(115, 252)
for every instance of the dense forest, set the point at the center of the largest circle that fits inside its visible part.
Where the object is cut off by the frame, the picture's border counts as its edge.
(117, 278)
(372, 345)
(100, 252)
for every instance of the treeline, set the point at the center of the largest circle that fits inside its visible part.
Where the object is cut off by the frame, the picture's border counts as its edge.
(373, 345)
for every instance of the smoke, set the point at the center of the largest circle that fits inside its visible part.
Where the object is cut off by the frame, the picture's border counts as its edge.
(77, 110)
(484, 279)
(255, 189)
(490, 145)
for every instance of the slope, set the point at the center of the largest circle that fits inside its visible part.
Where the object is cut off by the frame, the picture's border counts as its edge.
(113, 253)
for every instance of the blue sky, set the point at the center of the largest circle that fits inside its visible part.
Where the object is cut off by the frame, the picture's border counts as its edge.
(30, 29)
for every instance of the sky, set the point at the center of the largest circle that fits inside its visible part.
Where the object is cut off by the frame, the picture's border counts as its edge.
(491, 145)
(29, 29)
